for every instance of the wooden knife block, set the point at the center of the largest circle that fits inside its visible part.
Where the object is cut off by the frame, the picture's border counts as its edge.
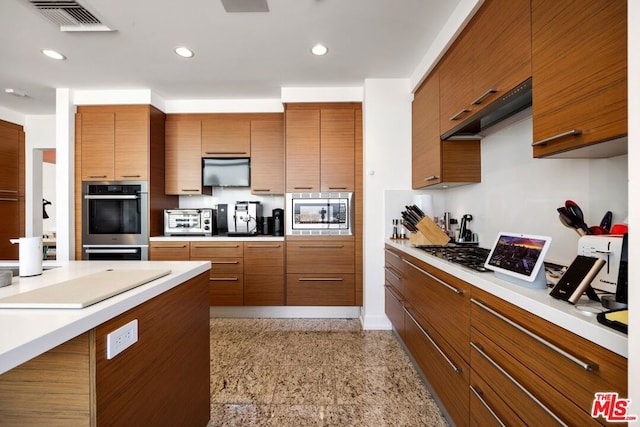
(428, 234)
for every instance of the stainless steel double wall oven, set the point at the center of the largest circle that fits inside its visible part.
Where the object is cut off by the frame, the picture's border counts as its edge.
(115, 223)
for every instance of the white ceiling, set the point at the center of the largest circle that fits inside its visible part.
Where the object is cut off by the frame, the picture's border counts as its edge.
(237, 56)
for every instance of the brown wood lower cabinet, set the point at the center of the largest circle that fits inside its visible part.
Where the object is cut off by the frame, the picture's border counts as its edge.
(226, 277)
(162, 380)
(264, 273)
(511, 367)
(320, 289)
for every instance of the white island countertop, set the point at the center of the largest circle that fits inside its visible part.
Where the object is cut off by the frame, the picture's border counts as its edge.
(27, 333)
(576, 319)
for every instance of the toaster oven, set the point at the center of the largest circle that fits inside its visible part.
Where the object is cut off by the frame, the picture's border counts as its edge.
(188, 222)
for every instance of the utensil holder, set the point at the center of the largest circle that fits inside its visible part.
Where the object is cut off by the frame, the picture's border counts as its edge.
(429, 234)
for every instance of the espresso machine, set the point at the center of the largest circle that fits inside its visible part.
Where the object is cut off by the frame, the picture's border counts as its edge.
(244, 218)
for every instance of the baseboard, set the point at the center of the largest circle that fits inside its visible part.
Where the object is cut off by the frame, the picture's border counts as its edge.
(287, 312)
(380, 322)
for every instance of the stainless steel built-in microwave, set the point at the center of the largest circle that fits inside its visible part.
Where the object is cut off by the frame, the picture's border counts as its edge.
(321, 214)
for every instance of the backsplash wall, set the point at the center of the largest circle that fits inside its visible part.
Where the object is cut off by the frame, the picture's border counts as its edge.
(520, 194)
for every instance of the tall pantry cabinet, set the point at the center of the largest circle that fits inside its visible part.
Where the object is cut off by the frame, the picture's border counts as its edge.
(11, 188)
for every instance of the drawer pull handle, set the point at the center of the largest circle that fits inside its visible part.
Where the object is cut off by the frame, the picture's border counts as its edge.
(587, 366)
(390, 271)
(478, 348)
(130, 176)
(4, 199)
(393, 253)
(263, 246)
(460, 114)
(431, 178)
(478, 394)
(321, 246)
(223, 279)
(337, 188)
(393, 292)
(216, 246)
(320, 279)
(484, 96)
(303, 188)
(191, 190)
(224, 262)
(225, 152)
(433, 343)
(572, 132)
(431, 276)
(9, 191)
(97, 176)
(170, 247)
(262, 189)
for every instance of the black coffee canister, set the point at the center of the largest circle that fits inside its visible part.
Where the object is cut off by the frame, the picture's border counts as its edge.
(278, 222)
(266, 226)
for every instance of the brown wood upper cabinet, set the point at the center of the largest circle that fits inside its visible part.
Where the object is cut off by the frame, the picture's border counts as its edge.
(491, 57)
(435, 161)
(320, 147)
(11, 187)
(115, 142)
(183, 168)
(267, 155)
(580, 77)
(226, 136)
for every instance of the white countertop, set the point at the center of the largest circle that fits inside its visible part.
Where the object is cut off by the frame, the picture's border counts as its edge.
(27, 333)
(257, 238)
(536, 301)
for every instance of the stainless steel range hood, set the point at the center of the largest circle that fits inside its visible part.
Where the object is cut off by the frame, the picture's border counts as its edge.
(507, 105)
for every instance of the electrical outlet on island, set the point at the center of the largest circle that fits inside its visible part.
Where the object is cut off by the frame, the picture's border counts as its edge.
(122, 338)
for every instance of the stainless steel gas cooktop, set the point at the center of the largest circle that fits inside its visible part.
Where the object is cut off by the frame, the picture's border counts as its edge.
(472, 257)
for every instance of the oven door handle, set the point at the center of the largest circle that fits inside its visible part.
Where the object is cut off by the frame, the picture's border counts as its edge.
(111, 197)
(111, 251)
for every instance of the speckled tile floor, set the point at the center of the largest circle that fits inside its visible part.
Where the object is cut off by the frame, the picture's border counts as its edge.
(313, 372)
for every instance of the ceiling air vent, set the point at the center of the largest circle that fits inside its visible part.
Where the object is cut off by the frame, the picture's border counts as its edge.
(69, 15)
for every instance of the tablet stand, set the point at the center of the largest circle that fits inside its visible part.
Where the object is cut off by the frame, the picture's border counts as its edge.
(540, 282)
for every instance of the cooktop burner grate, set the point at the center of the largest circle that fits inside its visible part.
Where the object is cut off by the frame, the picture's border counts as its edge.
(472, 257)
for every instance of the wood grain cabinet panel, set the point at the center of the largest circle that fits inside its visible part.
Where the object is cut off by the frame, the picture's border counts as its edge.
(226, 277)
(226, 136)
(580, 75)
(10, 135)
(267, 156)
(169, 251)
(320, 256)
(183, 161)
(302, 150)
(337, 149)
(327, 289)
(98, 145)
(394, 310)
(132, 144)
(11, 188)
(434, 161)
(487, 409)
(264, 273)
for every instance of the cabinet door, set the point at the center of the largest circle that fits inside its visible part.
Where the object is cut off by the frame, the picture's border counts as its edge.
(320, 256)
(320, 289)
(132, 144)
(9, 159)
(426, 165)
(98, 139)
(267, 156)
(580, 73)
(456, 82)
(502, 48)
(226, 137)
(302, 150)
(183, 165)
(337, 150)
(9, 226)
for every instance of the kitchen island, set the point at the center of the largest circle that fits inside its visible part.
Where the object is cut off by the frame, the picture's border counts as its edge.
(54, 368)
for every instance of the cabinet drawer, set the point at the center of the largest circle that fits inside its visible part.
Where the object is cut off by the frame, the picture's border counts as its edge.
(394, 311)
(320, 289)
(226, 265)
(321, 256)
(577, 368)
(226, 289)
(264, 257)
(393, 278)
(486, 408)
(446, 372)
(216, 249)
(394, 259)
(264, 289)
(169, 251)
(442, 300)
(535, 401)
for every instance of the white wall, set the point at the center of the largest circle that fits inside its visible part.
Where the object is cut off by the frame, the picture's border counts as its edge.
(387, 148)
(520, 194)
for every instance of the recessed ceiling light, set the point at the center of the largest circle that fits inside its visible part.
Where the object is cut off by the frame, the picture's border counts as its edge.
(185, 52)
(319, 50)
(15, 92)
(53, 54)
